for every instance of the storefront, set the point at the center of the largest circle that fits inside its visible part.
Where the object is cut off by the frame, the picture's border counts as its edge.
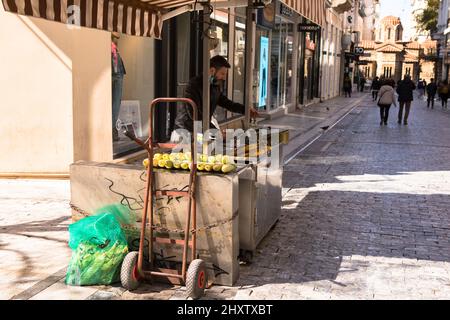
(287, 59)
(159, 58)
(309, 34)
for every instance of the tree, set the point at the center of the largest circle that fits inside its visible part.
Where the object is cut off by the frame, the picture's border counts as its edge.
(428, 19)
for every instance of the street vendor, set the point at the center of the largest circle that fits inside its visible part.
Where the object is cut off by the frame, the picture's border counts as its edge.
(217, 73)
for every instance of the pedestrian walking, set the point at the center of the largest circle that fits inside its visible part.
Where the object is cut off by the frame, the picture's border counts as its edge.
(431, 93)
(347, 86)
(376, 86)
(405, 90)
(387, 98)
(443, 91)
(362, 83)
(421, 88)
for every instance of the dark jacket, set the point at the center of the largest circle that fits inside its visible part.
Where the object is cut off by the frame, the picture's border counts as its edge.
(376, 85)
(194, 91)
(432, 89)
(347, 83)
(405, 90)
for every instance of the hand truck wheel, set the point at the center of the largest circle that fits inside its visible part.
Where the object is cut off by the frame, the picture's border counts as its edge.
(196, 279)
(129, 276)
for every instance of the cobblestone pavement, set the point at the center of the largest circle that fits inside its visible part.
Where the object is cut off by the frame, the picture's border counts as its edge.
(365, 216)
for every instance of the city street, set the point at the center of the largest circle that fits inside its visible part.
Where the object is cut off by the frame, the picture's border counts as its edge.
(365, 216)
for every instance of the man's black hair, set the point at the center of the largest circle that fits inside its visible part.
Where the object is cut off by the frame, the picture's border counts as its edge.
(218, 62)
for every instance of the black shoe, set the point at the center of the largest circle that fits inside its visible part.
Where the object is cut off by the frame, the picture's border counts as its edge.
(381, 123)
(405, 123)
(399, 121)
(385, 123)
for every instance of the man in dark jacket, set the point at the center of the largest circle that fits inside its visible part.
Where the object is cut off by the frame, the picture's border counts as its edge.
(217, 72)
(431, 93)
(405, 90)
(376, 86)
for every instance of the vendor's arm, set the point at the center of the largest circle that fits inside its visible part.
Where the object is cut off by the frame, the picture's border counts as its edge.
(235, 107)
(226, 103)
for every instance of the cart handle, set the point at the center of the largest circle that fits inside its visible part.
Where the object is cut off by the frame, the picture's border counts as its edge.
(188, 101)
(146, 144)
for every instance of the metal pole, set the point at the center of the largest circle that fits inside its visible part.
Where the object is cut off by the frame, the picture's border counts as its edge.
(249, 56)
(206, 83)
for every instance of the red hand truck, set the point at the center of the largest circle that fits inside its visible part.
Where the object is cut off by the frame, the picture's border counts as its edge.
(132, 272)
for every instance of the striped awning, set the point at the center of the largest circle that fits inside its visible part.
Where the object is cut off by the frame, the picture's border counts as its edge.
(132, 17)
(314, 10)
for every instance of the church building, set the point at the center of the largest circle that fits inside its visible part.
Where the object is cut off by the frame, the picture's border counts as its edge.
(391, 57)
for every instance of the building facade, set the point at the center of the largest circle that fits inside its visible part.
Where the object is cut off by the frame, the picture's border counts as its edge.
(276, 67)
(391, 57)
(442, 36)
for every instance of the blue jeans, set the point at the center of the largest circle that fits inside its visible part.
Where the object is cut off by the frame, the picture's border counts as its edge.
(117, 85)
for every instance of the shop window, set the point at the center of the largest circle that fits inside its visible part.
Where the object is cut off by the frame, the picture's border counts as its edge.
(132, 98)
(281, 64)
(239, 61)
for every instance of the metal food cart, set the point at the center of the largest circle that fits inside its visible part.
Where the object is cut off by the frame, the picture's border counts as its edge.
(235, 211)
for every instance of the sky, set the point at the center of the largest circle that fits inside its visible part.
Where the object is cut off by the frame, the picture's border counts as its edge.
(398, 8)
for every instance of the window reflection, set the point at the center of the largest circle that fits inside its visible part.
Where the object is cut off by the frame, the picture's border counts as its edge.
(282, 64)
(239, 62)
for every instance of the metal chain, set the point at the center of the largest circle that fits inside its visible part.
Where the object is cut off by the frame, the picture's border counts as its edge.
(162, 229)
(78, 210)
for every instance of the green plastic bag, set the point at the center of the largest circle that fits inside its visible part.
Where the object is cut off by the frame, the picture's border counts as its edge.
(99, 247)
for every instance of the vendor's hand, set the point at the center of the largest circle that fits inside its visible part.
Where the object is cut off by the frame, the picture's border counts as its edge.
(253, 113)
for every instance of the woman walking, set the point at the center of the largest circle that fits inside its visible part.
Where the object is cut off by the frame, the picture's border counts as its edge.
(387, 98)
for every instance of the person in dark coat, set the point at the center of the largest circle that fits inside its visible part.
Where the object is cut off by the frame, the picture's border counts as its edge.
(431, 93)
(376, 86)
(443, 90)
(405, 90)
(347, 86)
(218, 73)
(362, 83)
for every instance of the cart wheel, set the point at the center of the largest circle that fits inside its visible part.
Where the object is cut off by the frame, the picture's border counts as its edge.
(196, 279)
(246, 256)
(129, 276)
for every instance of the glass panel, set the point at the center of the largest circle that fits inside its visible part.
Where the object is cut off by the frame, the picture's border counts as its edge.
(132, 90)
(282, 66)
(275, 61)
(289, 63)
(239, 62)
(220, 24)
(183, 45)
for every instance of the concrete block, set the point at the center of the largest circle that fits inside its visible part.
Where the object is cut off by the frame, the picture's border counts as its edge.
(96, 185)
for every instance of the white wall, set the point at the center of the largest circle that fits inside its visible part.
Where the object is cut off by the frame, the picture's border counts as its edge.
(55, 87)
